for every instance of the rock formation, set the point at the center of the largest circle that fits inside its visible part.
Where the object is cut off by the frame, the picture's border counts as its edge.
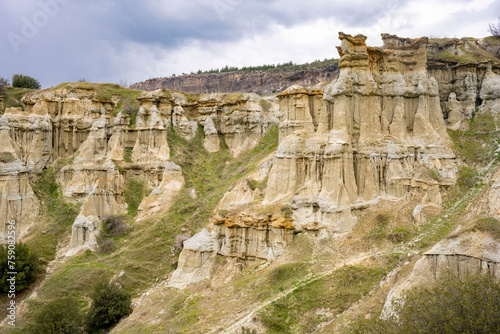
(104, 146)
(376, 133)
(380, 130)
(468, 253)
(259, 82)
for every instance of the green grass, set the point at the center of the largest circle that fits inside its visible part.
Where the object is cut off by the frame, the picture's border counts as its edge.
(211, 174)
(144, 253)
(134, 190)
(307, 306)
(6, 157)
(127, 154)
(103, 91)
(59, 215)
(478, 144)
(13, 96)
(468, 55)
(488, 224)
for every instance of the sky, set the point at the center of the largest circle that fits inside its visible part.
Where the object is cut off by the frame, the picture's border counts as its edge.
(126, 41)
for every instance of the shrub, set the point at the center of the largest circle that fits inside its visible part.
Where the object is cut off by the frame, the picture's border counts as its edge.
(24, 81)
(179, 243)
(494, 29)
(116, 226)
(466, 177)
(451, 305)
(106, 245)
(286, 210)
(134, 191)
(24, 262)
(398, 235)
(109, 305)
(6, 156)
(58, 316)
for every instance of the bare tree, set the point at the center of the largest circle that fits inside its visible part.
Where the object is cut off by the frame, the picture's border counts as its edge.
(495, 28)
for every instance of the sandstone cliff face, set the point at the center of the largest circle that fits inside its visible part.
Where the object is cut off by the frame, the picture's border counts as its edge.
(458, 65)
(260, 82)
(374, 133)
(104, 149)
(380, 129)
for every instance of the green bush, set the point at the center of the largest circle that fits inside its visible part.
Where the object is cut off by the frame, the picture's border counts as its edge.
(467, 177)
(24, 81)
(109, 305)
(18, 259)
(134, 191)
(113, 227)
(450, 306)
(60, 316)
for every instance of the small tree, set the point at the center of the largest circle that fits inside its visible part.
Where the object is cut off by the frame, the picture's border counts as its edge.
(494, 29)
(24, 81)
(3, 82)
(58, 316)
(109, 305)
(19, 259)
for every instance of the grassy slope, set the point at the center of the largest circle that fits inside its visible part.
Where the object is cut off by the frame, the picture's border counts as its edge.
(145, 254)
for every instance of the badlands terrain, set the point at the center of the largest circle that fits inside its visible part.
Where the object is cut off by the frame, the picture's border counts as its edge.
(307, 209)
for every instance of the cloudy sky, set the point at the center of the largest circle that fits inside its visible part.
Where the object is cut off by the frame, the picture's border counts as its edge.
(127, 40)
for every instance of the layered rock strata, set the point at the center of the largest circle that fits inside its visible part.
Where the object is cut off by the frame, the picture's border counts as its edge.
(104, 147)
(377, 133)
(380, 131)
(239, 120)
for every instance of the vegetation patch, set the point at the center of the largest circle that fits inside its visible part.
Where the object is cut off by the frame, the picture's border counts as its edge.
(127, 154)
(451, 305)
(6, 157)
(59, 215)
(103, 91)
(20, 259)
(134, 190)
(13, 96)
(211, 174)
(307, 306)
(488, 224)
(109, 305)
(478, 144)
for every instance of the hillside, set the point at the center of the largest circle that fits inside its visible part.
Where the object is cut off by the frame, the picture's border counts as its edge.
(276, 79)
(307, 211)
(263, 82)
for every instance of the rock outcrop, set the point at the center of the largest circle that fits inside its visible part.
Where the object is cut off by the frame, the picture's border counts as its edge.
(259, 82)
(379, 132)
(468, 253)
(240, 120)
(376, 133)
(104, 147)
